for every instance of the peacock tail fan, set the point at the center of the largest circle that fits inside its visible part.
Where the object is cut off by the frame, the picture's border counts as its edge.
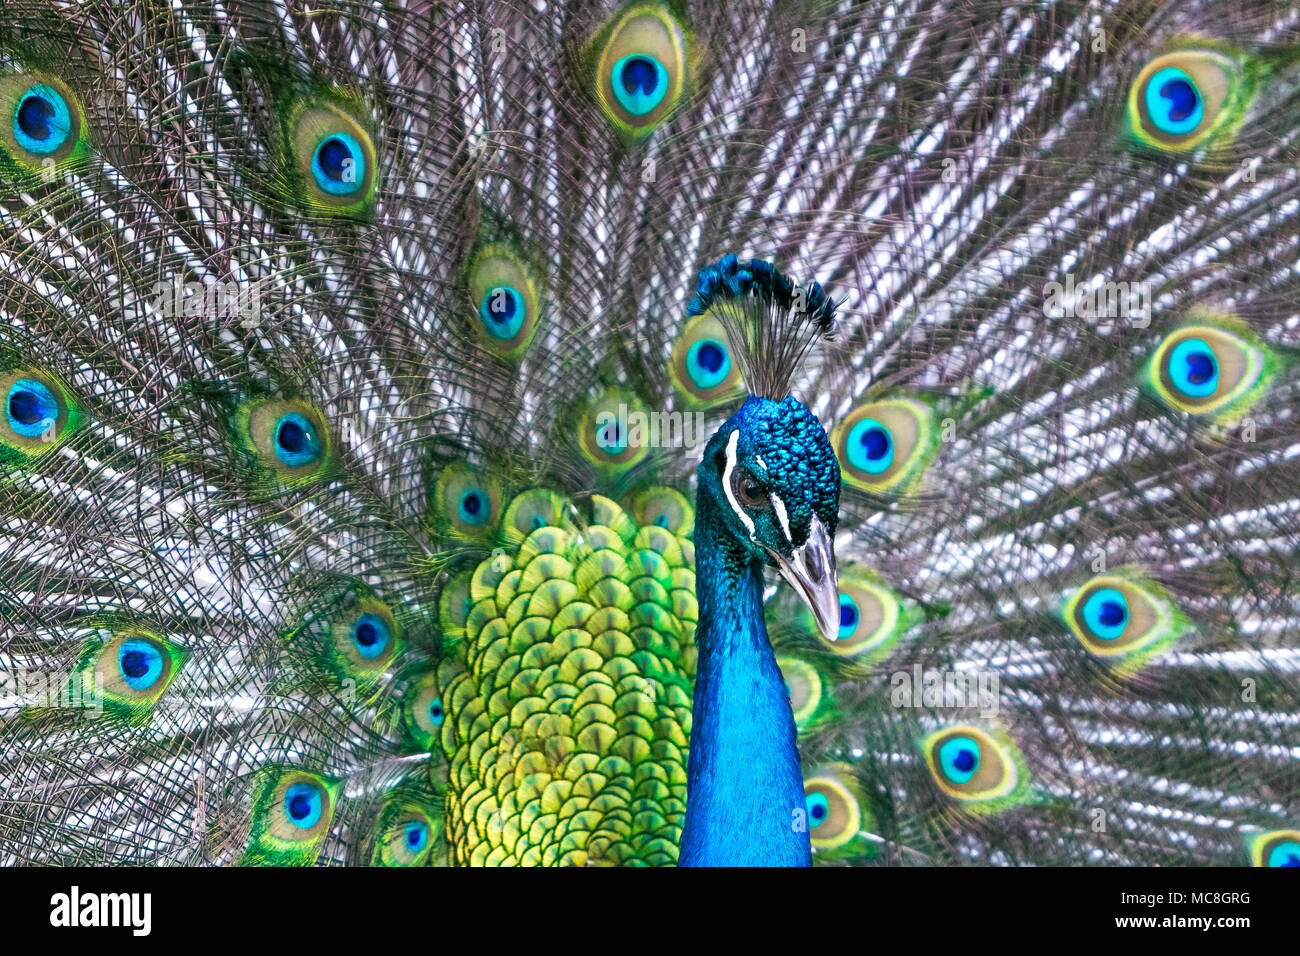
(358, 361)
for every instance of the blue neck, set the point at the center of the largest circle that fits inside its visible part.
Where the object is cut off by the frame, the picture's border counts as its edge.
(744, 784)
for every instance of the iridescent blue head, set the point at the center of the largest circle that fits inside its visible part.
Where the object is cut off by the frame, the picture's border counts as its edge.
(770, 471)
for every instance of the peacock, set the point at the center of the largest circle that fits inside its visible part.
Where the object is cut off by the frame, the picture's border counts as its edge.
(584, 432)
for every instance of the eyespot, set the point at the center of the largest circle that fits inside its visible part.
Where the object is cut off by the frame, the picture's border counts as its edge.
(884, 446)
(702, 368)
(506, 300)
(970, 766)
(406, 842)
(664, 508)
(871, 618)
(38, 413)
(1276, 848)
(133, 669)
(614, 430)
(45, 120)
(335, 156)
(804, 685)
(291, 815)
(835, 815)
(423, 712)
(641, 66)
(301, 808)
(1204, 369)
(1115, 617)
(287, 436)
(748, 490)
(467, 502)
(365, 638)
(1179, 100)
(404, 833)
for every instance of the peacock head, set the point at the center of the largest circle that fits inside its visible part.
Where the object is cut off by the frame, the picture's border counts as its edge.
(772, 476)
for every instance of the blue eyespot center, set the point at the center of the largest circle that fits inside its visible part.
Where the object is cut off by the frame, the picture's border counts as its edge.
(959, 758)
(848, 616)
(371, 636)
(436, 713)
(296, 442)
(819, 809)
(1193, 368)
(42, 121)
(339, 165)
(503, 312)
(140, 662)
(303, 805)
(640, 83)
(611, 437)
(416, 835)
(1285, 854)
(474, 507)
(32, 408)
(1106, 613)
(1173, 102)
(708, 363)
(870, 447)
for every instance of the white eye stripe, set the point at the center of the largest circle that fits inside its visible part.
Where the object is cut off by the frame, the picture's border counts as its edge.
(779, 507)
(745, 519)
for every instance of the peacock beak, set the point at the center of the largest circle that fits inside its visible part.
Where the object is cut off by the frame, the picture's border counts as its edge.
(810, 569)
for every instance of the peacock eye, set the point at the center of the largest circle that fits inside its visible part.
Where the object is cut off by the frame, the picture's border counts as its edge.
(641, 68)
(37, 412)
(303, 810)
(46, 121)
(612, 433)
(424, 713)
(804, 685)
(970, 766)
(292, 810)
(407, 841)
(466, 501)
(505, 296)
(287, 436)
(871, 618)
(1116, 617)
(834, 811)
(1204, 369)
(702, 367)
(335, 156)
(1179, 99)
(405, 835)
(366, 639)
(133, 668)
(883, 446)
(1276, 848)
(748, 491)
